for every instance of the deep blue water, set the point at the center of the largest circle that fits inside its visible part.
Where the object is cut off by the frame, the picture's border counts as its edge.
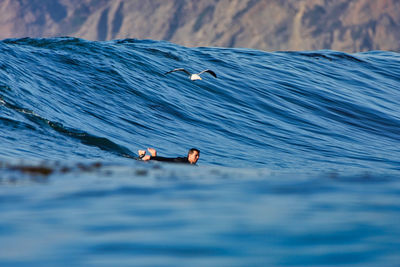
(299, 164)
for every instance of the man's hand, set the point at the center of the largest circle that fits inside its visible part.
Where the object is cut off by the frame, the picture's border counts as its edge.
(152, 151)
(146, 158)
(141, 153)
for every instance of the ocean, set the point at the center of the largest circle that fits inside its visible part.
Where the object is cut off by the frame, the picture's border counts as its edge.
(299, 161)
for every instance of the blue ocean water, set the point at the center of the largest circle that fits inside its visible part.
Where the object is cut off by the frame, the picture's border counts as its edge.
(299, 164)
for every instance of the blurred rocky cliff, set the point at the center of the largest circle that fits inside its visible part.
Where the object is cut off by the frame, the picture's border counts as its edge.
(344, 25)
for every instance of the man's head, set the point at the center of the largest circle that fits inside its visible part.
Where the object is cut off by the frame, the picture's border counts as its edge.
(193, 155)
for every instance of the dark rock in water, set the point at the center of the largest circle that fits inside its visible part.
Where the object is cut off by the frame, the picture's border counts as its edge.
(34, 170)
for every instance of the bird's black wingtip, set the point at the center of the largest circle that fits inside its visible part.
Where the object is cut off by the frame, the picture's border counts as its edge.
(212, 73)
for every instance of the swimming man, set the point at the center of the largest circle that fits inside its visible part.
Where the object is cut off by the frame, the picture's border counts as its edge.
(192, 156)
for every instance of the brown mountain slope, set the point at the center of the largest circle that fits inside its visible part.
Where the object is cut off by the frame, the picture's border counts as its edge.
(351, 26)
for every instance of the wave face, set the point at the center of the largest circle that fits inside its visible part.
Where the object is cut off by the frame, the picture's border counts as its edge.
(299, 163)
(67, 98)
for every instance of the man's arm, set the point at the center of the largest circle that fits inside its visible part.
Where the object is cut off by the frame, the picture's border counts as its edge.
(154, 156)
(176, 160)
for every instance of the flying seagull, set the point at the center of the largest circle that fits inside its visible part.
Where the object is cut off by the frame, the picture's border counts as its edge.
(194, 76)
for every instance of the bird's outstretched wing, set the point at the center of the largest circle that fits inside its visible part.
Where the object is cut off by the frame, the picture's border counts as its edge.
(209, 71)
(178, 69)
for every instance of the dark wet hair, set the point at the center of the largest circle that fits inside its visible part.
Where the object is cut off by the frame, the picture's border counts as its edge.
(193, 150)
